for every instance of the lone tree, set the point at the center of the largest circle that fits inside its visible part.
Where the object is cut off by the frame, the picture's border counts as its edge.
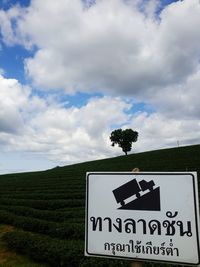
(124, 139)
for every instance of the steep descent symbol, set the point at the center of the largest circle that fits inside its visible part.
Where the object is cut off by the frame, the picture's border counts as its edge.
(150, 200)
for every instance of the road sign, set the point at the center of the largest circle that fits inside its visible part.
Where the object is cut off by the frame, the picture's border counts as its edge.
(144, 216)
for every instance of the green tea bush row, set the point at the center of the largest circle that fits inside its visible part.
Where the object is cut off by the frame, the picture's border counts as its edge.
(44, 196)
(58, 230)
(60, 253)
(43, 204)
(72, 215)
(71, 209)
(55, 252)
(39, 189)
(32, 184)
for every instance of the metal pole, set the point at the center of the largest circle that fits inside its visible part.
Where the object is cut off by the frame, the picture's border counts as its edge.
(136, 263)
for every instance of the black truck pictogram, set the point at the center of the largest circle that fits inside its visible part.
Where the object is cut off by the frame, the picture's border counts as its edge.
(132, 188)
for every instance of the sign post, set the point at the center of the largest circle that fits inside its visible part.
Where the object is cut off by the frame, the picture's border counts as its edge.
(147, 216)
(136, 263)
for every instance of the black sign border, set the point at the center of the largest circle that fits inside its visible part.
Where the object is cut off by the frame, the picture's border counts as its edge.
(135, 174)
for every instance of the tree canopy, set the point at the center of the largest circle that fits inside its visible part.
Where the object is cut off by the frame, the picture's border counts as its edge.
(124, 139)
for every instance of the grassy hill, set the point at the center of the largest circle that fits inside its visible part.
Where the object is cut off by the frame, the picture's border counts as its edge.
(45, 210)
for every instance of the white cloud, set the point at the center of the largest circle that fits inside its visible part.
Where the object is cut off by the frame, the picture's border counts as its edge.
(8, 20)
(34, 125)
(179, 101)
(110, 47)
(160, 131)
(12, 97)
(77, 134)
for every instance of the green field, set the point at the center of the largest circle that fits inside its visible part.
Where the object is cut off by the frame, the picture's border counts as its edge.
(43, 212)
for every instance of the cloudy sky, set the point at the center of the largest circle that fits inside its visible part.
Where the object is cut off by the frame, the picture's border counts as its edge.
(72, 71)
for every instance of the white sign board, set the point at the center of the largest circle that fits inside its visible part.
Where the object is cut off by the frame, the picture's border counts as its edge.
(143, 216)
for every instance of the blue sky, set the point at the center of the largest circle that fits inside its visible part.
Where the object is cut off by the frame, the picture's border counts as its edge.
(68, 81)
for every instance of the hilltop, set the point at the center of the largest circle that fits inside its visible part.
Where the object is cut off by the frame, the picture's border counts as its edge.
(185, 158)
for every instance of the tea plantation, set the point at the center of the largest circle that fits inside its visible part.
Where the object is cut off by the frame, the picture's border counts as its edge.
(46, 209)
